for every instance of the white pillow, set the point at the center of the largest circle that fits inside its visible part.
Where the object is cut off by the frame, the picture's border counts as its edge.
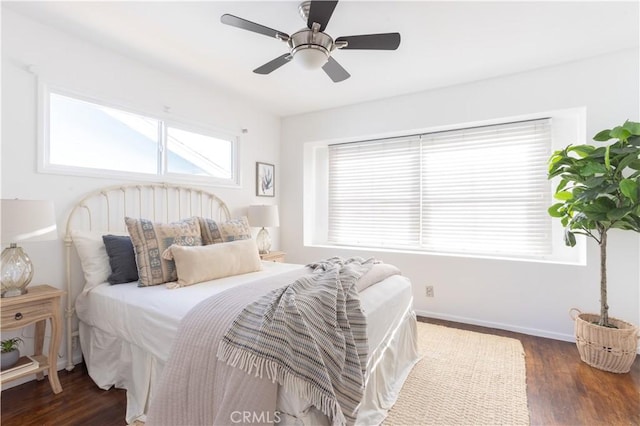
(196, 264)
(93, 257)
(377, 273)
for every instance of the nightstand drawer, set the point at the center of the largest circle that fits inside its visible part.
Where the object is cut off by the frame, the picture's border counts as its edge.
(18, 315)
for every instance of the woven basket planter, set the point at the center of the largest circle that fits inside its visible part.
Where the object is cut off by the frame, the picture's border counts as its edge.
(608, 349)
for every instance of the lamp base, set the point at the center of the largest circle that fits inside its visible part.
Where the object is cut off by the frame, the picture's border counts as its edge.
(15, 292)
(16, 271)
(263, 241)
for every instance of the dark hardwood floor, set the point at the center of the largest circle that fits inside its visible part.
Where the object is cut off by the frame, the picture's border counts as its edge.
(561, 391)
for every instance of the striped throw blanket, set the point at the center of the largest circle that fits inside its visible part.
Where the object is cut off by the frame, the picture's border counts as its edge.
(309, 336)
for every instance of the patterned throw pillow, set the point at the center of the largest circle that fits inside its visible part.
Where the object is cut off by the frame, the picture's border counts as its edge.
(223, 232)
(151, 239)
(235, 229)
(210, 231)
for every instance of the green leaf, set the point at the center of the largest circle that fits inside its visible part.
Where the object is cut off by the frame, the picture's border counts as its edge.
(594, 181)
(598, 153)
(565, 172)
(563, 183)
(563, 195)
(630, 189)
(591, 169)
(603, 204)
(569, 238)
(602, 136)
(583, 150)
(635, 165)
(558, 162)
(634, 140)
(617, 214)
(595, 211)
(554, 210)
(620, 133)
(593, 216)
(624, 150)
(591, 194)
(627, 161)
(607, 160)
(632, 127)
(627, 223)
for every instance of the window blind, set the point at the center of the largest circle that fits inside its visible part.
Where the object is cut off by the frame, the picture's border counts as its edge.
(485, 190)
(374, 193)
(480, 190)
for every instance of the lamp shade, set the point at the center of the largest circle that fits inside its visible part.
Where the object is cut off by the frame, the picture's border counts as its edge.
(264, 216)
(22, 220)
(27, 220)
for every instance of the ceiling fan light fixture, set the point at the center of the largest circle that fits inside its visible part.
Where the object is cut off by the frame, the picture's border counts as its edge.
(311, 56)
(310, 49)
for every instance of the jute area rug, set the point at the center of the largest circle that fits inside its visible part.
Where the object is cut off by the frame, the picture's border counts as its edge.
(465, 378)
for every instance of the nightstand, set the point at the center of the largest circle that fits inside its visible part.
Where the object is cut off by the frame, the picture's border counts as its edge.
(273, 256)
(39, 304)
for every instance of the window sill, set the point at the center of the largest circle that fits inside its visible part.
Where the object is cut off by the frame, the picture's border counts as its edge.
(568, 262)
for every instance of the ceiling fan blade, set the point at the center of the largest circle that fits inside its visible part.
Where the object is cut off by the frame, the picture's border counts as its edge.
(234, 21)
(386, 41)
(274, 64)
(320, 11)
(335, 71)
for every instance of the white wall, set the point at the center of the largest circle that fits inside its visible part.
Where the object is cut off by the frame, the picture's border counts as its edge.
(96, 72)
(523, 296)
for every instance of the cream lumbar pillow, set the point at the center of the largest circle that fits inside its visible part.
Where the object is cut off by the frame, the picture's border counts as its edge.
(204, 263)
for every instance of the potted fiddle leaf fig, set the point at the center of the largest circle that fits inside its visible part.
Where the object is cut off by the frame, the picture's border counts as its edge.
(599, 190)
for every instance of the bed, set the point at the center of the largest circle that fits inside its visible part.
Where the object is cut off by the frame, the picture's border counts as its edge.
(126, 331)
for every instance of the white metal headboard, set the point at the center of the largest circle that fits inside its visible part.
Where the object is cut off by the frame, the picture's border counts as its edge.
(104, 210)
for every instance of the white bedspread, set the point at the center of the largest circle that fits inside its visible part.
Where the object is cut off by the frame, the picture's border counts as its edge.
(149, 316)
(148, 319)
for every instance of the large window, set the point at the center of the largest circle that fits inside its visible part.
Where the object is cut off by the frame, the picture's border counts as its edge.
(89, 138)
(481, 190)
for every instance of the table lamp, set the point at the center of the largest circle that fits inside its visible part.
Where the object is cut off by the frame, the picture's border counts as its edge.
(22, 220)
(264, 216)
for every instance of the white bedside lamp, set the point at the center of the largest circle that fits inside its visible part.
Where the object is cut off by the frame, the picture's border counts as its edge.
(265, 217)
(23, 220)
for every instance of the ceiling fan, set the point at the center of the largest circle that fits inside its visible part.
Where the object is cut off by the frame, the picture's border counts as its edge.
(311, 46)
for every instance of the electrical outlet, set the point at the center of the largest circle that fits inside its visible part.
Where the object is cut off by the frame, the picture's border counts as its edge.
(428, 291)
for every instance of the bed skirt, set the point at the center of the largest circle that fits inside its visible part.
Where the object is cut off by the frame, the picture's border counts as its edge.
(127, 366)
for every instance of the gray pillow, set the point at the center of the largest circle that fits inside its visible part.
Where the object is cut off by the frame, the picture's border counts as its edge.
(122, 259)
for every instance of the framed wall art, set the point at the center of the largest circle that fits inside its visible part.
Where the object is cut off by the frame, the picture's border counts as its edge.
(265, 180)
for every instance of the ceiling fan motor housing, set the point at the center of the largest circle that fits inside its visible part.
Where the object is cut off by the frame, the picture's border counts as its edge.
(311, 48)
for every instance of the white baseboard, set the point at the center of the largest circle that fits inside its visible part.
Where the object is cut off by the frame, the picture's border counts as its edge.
(498, 325)
(501, 326)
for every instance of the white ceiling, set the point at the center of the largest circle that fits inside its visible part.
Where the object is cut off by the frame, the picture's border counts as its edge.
(443, 43)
